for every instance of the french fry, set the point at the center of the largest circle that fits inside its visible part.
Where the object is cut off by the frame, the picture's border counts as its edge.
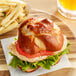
(4, 3)
(14, 2)
(3, 9)
(7, 19)
(4, 6)
(10, 10)
(1, 14)
(3, 0)
(18, 2)
(13, 19)
(11, 26)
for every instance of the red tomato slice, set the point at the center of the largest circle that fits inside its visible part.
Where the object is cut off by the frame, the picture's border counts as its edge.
(41, 53)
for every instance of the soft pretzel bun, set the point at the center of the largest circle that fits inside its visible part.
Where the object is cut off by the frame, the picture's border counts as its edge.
(30, 69)
(37, 34)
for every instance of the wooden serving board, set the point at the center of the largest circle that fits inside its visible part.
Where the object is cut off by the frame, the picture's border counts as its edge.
(72, 56)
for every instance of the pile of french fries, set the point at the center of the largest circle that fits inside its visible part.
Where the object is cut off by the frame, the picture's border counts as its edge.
(12, 13)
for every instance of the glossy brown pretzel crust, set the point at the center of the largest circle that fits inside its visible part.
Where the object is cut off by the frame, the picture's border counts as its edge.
(41, 35)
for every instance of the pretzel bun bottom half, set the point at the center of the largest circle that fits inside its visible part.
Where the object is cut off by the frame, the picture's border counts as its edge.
(32, 70)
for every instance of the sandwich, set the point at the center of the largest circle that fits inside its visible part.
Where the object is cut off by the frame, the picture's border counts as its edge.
(40, 43)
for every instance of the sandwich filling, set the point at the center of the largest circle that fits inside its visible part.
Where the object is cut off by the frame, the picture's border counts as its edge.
(36, 57)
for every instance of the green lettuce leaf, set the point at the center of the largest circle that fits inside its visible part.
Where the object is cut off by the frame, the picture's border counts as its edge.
(14, 62)
(46, 64)
(16, 38)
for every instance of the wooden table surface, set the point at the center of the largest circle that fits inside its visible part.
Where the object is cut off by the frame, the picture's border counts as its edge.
(51, 7)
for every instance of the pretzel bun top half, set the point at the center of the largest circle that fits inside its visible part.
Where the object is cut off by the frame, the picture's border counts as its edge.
(37, 34)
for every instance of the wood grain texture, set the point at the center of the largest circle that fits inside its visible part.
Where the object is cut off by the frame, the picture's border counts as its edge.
(72, 55)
